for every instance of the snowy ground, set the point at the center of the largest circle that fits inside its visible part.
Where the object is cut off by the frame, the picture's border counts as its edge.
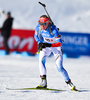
(20, 72)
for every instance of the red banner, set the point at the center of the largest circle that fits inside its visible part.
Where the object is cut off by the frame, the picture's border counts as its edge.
(21, 40)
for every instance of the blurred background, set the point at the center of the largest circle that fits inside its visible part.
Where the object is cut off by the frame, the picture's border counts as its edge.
(72, 17)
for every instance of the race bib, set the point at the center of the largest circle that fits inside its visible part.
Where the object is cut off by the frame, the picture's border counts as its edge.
(50, 40)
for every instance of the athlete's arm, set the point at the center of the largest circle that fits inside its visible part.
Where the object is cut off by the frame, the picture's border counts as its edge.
(56, 44)
(36, 35)
(37, 38)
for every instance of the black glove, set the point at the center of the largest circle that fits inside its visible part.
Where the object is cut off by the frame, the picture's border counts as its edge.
(43, 45)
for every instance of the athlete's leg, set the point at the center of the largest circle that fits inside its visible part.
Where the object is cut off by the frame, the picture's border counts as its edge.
(59, 64)
(42, 60)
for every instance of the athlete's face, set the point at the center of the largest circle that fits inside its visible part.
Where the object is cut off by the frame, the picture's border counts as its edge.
(44, 27)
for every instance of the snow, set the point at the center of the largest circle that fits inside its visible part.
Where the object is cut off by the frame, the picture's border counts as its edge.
(21, 72)
(68, 15)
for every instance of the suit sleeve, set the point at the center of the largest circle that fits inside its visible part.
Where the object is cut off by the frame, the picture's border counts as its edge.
(37, 35)
(57, 37)
(58, 44)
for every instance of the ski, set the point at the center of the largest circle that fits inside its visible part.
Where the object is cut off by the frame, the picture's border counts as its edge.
(50, 89)
(75, 90)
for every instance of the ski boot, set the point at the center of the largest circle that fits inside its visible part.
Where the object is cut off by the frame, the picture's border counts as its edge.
(43, 83)
(71, 86)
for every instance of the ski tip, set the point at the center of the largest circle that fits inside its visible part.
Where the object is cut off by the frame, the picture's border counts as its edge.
(7, 88)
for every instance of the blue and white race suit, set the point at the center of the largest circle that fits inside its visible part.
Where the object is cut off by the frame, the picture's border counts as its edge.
(46, 37)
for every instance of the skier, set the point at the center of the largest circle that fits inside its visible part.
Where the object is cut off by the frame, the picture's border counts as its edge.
(49, 40)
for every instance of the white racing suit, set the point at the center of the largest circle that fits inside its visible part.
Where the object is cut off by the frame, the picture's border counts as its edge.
(45, 37)
(58, 60)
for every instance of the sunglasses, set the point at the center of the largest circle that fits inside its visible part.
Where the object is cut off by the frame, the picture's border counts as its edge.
(43, 24)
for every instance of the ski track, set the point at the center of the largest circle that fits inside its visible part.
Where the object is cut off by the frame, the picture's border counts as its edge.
(21, 72)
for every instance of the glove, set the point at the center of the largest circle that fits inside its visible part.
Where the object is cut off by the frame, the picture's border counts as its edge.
(40, 46)
(43, 45)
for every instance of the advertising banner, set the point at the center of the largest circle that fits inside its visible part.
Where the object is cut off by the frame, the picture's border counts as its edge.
(21, 40)
(76, 43)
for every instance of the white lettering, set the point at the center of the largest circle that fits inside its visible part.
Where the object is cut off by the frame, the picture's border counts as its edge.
(30, 42)
(76, 40)
(14, 41)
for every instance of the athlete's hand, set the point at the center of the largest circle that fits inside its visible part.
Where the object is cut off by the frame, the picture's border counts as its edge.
(40, 46)
(43, 45)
